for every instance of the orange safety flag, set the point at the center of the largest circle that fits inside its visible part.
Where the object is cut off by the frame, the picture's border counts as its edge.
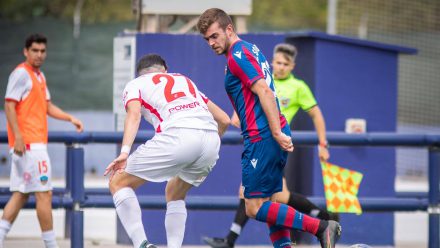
(341, 188)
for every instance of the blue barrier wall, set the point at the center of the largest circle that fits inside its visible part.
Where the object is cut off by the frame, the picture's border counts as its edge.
(350, 78)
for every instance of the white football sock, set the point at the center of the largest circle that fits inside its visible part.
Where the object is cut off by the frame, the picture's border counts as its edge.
(5, 226)
(49, 239)
(175, 220)
(129, 212)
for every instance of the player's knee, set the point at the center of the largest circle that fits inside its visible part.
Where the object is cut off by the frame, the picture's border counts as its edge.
(251, 211)
(43, 196)
(114, 186)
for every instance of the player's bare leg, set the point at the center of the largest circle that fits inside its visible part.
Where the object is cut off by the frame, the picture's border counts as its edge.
(10, 212)
(14, 205)
(44, 210)
(44, 214)
(176, 214)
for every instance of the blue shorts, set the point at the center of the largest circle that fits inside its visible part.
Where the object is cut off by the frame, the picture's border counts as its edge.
(262, 167)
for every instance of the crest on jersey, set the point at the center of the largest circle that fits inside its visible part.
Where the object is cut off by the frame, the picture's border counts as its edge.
(44, 179)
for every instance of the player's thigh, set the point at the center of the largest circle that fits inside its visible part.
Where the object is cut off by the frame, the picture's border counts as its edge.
(253, 205)
(176, 189)
(124, 179)
(43, 197)
(262, 168)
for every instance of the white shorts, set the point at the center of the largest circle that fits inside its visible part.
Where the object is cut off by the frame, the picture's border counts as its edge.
(187, 153)
(32, 171)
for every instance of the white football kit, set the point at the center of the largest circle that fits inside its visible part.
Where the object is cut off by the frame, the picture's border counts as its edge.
(186, 143)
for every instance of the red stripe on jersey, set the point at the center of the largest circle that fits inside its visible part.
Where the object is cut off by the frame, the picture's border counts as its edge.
(152, 110)
(249, 102)
(205, 99)
(255, 64)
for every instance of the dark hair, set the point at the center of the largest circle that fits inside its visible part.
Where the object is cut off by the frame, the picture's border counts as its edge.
(211, 16)
(289, 51)
(37, 38)
(150, 60)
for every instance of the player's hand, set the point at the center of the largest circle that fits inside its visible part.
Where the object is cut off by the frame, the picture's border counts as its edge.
(19, 146)
(285, 142)
(78, 124)
(324, 155)
(117, 166)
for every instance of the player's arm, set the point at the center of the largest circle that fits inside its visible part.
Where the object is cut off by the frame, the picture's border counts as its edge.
(11, 116)
(319, 123)
(131, 126)
(268, 103)
(55, 112)
(235, 121)
(220, 117)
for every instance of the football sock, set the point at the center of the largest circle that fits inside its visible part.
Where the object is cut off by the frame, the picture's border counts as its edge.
(240, 221)
(175, 219)
(283, 215)
(280, 236)
(129, 212)
(49, 239)
(5, 226)
(302, 204)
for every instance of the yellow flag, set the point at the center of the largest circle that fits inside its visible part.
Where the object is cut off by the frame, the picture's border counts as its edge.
(341, 187)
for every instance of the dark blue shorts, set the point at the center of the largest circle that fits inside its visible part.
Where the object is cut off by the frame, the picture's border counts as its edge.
(262, 167)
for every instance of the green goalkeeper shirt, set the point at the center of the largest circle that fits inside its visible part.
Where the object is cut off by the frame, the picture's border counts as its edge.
(293, 94)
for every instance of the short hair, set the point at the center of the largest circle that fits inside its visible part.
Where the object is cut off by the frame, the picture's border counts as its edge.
(150, 61)
(211, 16)
(289, 51)
(37, 38)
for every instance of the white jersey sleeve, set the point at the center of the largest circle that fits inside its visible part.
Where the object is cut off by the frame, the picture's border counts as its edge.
(19, 85)
(170, 100)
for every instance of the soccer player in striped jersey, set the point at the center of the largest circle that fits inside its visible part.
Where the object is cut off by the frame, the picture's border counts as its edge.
(249, 85)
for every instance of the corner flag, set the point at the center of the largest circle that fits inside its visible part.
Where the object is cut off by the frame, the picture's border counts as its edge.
(341, 187)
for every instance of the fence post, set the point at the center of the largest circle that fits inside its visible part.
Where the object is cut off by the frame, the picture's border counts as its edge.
(433, 198)
(75, 184)
(69, 186)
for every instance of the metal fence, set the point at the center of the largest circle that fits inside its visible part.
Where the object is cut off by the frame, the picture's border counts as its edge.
(75, 197)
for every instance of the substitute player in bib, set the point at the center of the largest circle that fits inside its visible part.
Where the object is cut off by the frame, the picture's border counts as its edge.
(183, 151)
(27, 104)
(266, 134)
(293, 94)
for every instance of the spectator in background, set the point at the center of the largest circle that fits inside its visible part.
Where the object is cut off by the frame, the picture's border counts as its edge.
(267, 140)
(293, 94)
(27, 104)
(183, 151)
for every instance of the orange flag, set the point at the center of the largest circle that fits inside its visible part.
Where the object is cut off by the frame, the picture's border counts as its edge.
(341, 188)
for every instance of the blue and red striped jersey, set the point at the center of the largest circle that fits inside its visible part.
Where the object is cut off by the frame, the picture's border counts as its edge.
(246, 64)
